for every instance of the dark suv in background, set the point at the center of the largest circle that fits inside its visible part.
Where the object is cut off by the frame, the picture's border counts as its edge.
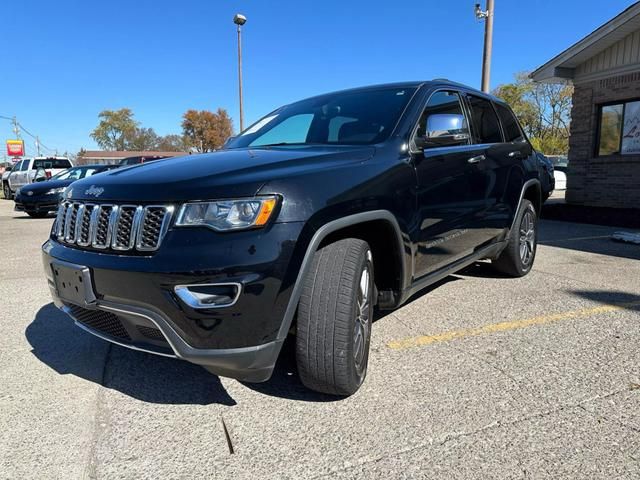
(310, 218)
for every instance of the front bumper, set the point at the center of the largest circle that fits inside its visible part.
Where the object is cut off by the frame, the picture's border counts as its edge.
(36, 203)
(135, 304)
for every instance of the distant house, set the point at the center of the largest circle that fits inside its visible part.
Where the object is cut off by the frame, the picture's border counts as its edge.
(604, 143)
(106, 157)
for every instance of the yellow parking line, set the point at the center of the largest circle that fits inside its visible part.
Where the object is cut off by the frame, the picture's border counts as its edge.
(504, 326)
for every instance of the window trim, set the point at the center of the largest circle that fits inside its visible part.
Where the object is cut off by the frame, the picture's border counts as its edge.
(599, 107)
(525, 139)
(495, 112)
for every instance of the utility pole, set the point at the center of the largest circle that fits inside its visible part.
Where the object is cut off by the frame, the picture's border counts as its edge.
(16, 128)
(487, 16)
(240, 20)
(38, 146)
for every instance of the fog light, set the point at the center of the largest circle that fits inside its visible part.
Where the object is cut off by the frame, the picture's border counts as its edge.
(209, 295)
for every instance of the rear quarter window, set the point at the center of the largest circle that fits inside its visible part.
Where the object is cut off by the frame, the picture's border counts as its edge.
(510, 124)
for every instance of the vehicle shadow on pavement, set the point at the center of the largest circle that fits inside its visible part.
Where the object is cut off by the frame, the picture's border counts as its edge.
(285, 382)
(627, 301)
(60, 344)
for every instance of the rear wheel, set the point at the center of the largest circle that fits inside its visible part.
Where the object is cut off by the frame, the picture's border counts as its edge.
(334, 318)
(517, 258)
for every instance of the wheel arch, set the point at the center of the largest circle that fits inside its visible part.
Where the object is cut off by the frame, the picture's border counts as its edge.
(360, 225)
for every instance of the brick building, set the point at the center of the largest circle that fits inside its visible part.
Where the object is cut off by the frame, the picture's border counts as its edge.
(604, 143)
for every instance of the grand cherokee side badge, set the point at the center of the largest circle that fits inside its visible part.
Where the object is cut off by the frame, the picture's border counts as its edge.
(94, 191)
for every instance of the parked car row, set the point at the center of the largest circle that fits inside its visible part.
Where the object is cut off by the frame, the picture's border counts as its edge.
(38, 184)
(41, 198)
(25, 172)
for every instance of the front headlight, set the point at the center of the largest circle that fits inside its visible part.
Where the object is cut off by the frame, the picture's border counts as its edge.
(55, 191)
(225, 215)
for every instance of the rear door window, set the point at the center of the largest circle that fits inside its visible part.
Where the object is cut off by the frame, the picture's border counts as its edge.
(510, 125)
(24, 166)
(486, 127)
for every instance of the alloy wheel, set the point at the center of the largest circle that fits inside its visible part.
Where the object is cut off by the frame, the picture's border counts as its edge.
(361, 333)
(527, 237)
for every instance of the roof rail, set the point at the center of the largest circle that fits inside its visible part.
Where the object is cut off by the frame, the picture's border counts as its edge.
(446, 80)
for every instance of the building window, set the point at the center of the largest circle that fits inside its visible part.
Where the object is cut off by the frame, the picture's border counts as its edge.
(619, 129)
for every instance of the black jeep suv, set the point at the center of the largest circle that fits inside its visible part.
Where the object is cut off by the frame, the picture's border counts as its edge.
(308, 219)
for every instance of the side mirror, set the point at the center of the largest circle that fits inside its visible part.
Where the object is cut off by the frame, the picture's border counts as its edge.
(229, 140)
(444, 129)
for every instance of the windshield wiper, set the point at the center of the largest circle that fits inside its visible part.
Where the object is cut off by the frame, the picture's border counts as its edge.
(280, 144)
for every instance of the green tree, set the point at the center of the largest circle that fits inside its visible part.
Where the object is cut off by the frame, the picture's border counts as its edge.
(172, 143)
(143, 139)
(115, 130)
(544, 111)
(206, 131)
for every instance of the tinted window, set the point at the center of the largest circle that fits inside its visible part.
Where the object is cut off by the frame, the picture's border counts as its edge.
(375, 113)
(510, 125)
(443, 115)
(51, 163)
(486, 128)
(25, 165)
(610, 129)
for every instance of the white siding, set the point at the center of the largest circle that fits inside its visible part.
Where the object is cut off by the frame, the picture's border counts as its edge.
(624, 53)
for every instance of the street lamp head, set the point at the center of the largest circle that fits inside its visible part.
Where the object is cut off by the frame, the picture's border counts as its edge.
(239, 19)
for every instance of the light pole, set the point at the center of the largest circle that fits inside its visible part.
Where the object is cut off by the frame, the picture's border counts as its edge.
(487, 16)
(240, 20)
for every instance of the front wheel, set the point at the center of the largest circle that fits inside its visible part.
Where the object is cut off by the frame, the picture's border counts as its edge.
(6, 191)
(516, 260)
(334, 318)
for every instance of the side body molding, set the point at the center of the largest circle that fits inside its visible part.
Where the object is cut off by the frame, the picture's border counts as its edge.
(317, 238)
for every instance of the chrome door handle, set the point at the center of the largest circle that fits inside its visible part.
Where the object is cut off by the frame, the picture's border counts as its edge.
(515, 154)
(477, 159)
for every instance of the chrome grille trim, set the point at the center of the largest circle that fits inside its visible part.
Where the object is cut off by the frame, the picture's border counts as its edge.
(124, 235)
(152, 227)
(70, 223)
(112, 227)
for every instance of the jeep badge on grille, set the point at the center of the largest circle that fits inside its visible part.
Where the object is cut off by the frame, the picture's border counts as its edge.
(94, 191)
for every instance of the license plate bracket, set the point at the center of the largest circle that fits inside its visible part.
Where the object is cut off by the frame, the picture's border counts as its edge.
(73, 283)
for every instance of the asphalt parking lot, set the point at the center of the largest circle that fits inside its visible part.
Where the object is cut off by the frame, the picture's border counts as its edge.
(480, 377)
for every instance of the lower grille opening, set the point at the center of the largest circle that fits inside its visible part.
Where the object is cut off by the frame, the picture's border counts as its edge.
(104, 322)
(152, 333)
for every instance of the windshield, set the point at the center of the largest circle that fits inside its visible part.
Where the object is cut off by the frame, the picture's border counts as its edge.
(75, 173)
(361, 117)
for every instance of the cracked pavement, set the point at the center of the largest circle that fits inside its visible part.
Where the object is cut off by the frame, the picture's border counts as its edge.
(554, 400)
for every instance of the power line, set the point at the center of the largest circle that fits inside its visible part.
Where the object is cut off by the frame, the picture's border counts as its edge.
(18, 125)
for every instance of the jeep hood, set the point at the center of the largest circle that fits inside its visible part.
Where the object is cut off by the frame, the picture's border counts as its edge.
(222, 174)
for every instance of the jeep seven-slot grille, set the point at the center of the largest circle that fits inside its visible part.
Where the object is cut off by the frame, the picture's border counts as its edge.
(112, 227)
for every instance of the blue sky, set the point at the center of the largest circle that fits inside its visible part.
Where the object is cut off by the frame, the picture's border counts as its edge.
(64, 61)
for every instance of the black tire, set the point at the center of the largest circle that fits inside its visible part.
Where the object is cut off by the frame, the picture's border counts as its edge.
(334, 318)
(6, 191)
(516, 260)
(37, 214)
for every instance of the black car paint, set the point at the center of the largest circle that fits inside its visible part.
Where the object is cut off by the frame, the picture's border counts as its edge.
(418, 195)
(33, 197)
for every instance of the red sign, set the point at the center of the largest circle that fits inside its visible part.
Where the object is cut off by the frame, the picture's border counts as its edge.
(15, 148)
